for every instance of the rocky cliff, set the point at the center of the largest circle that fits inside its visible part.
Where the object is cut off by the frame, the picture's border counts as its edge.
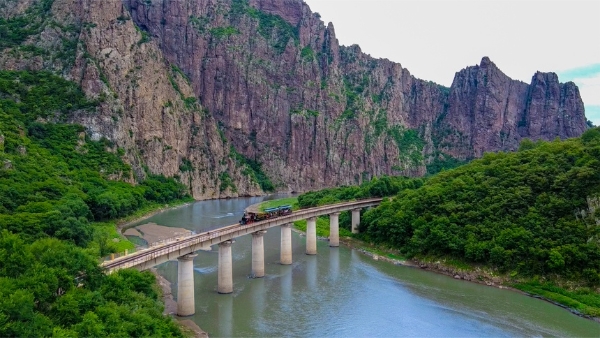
(147, 105)
(488, 111)
(219, 91)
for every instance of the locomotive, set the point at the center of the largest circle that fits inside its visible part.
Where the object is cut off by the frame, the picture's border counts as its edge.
(250, 217)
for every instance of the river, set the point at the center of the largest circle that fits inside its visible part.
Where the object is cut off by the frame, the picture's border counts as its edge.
(343, 293)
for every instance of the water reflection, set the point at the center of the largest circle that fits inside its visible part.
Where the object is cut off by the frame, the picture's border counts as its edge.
(285, 277)
(258, 291)
(334, 263)
(311, 272)
(225, 315)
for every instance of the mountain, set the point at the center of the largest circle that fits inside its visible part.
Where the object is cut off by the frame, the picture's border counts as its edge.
(234, 97)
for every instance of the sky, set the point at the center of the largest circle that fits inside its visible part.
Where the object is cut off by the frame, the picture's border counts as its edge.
(434, 39)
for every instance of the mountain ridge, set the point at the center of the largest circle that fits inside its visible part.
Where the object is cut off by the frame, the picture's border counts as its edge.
(267, 83)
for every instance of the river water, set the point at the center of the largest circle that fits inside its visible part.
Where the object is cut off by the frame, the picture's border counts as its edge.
(343, 293)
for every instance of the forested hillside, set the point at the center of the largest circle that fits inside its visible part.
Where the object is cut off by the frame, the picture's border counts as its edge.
(55, 182)
(533, 212)
(531, 216)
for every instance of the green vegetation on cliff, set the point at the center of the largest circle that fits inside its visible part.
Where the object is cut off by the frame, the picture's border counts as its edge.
(253, 169)
(55, 183)
(272, 27)
(17, 29)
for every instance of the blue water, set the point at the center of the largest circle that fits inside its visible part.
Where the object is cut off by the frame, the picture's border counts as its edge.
(343, 293)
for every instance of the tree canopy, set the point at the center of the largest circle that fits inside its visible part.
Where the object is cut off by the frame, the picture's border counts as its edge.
(533, 212)
(55, 182)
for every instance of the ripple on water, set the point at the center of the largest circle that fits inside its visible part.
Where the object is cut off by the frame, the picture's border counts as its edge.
(206, 269)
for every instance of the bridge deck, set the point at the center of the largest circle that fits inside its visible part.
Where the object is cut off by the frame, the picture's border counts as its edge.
(149, 257)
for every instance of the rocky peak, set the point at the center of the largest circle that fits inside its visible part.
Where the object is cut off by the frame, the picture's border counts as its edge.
(11, 8)
(285, 95)
(485, 62)
(553, 108)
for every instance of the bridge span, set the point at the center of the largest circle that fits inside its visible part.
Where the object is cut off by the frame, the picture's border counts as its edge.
(184, 248)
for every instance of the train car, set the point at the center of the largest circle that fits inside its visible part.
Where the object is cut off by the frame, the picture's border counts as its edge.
(250, 217)
(272, 212)
(261, 216)
(284, 210)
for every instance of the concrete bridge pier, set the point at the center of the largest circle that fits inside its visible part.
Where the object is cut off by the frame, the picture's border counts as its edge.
(286, 244)
(258, 254)
(185, 285)
(311, 236)
(355, 220)
(225, 280)
(334, 229)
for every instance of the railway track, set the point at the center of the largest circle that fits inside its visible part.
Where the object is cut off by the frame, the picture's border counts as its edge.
(154, 252)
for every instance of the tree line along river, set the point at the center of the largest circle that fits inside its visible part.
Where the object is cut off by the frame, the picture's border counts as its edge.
(342, 293)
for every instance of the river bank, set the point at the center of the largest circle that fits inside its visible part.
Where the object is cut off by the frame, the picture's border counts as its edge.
(187, 326)
(208, 215)
(145, 214)
(569, 297)
(468, 273)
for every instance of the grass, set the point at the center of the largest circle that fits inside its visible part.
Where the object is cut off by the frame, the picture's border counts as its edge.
(293, 201)
(110, 230)
(457, 263)
(582, 300)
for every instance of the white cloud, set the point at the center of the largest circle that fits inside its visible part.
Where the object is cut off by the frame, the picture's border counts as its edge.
(590, 89)
(435, 39)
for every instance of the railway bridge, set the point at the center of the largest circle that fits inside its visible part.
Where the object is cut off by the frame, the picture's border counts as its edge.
(184, 248)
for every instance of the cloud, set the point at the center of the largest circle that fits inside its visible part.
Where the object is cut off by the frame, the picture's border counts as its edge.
(587, 78)
(593, 114)
(583, 72)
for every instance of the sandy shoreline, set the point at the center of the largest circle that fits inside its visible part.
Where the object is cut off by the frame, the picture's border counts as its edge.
(153, 233)
(156, 233)
(125, 223)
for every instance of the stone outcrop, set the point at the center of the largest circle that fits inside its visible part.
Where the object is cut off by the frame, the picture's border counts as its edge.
(488, 111)
(320, 114)
(147, 107)
(283, 93)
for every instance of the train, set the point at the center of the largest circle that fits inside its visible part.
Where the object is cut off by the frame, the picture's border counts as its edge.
(250, 217)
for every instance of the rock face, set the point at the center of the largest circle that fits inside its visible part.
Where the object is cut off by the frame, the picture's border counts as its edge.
(488, 111)
(283, 93)
(147, 105)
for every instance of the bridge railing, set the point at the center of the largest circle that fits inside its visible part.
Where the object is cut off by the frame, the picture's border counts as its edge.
(116, 255)
(161, 242)
(180, 243)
